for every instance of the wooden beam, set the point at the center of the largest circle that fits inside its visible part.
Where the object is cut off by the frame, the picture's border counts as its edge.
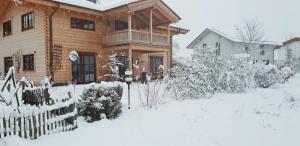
(130, 58)
(129, 28)
(151, 25)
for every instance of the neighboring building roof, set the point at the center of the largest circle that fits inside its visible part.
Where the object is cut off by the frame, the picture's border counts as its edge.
(295, 39)
(228, 37)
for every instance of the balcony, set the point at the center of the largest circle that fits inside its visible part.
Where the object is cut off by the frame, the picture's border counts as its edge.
(137, 36)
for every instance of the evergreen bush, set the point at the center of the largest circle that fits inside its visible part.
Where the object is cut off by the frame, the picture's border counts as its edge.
(98, 100)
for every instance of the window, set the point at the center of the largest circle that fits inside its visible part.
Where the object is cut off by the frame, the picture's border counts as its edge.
(124, 63)
(82, 24)
(7, 28)
(155, 63)
(246, 49)
(262, 52)
(28, 62)
(8, 62)
(27, 21)
(120, 25)
(218, 50)
(204, 45)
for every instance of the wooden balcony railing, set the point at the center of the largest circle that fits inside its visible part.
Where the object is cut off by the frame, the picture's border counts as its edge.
(142, 37)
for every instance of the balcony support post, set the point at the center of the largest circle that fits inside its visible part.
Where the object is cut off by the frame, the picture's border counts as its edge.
(129, 28)
(151, 25)
(169, 34)
(130, 59)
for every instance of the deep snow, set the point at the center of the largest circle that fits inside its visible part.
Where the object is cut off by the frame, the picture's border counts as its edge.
(261, 117)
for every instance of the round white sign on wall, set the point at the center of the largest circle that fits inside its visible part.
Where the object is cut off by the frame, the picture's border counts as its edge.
(73, 56)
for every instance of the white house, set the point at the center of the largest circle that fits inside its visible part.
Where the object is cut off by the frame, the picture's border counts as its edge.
(281, 52)
(228, 46)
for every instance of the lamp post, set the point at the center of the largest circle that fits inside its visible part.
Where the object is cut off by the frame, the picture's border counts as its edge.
(128, 80)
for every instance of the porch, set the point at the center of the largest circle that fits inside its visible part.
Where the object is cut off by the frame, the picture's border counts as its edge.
(138, 36)
(141, 59)
(146, 25)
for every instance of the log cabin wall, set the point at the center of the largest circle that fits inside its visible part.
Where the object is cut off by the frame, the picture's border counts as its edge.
(86, 41)
(31, 41)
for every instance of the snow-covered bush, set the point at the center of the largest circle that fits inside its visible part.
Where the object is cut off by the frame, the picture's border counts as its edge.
(267, 75)
(207, 74)
(236, 75)
(178, 81)
(112, 68)
(199, 77)
(286, 72)
(1, 76)
(97, 101)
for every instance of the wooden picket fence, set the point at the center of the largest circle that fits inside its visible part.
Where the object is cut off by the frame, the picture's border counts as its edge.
(37, 124)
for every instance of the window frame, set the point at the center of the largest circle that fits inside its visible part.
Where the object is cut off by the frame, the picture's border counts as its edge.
(262, 52)
(6, 61)
(4, 27)
(82, 23)
(29, 22)
(30, 67)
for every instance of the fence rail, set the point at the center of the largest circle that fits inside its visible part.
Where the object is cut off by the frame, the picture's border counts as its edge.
(34, 124)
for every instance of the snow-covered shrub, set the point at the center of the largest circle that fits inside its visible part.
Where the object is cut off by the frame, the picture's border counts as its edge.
(267, 75)
(199, 77)
(1, 76)
(98, 100)
(236, 75)
(178, 81)
(286, 72)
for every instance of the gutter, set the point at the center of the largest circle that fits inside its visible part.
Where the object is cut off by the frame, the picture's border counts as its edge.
(51, 40)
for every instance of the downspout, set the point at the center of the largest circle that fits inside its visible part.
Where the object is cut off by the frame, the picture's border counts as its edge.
(51, 40)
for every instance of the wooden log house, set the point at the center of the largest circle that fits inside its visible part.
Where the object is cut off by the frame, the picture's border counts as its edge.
(38, 35)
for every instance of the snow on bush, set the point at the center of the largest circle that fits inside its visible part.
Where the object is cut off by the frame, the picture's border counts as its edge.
(208, 73)
(267, 75)
(97, 101)
(286, 72)
(236, 75)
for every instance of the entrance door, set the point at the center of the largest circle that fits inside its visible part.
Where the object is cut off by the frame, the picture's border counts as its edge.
(84, 69)
(8, 62)
(155, 62)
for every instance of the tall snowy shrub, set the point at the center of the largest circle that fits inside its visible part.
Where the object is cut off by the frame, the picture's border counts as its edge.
(199, 77)
(236, 75)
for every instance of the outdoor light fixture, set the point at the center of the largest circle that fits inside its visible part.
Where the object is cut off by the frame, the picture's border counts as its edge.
(128, 80)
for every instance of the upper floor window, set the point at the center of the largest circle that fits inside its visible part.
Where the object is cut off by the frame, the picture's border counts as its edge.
(7, 28)
(247, 49)
(27, 21)
(28, 62)
(204, 45)
(82, 24)
(262, 52)
(120, 25)
(218, 48)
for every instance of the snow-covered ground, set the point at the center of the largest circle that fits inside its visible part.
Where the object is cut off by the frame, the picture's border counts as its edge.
(261, 117)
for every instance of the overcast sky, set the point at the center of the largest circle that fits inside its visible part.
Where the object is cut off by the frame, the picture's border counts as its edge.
(280, 18)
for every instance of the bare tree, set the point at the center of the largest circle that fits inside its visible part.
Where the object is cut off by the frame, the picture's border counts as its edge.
(250, 33)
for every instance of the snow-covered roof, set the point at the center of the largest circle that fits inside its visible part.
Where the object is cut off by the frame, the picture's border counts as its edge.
(102, 6)
(227, 37)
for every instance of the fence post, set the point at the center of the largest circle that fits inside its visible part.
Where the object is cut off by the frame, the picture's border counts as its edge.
(1, 127)
(5, 126)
